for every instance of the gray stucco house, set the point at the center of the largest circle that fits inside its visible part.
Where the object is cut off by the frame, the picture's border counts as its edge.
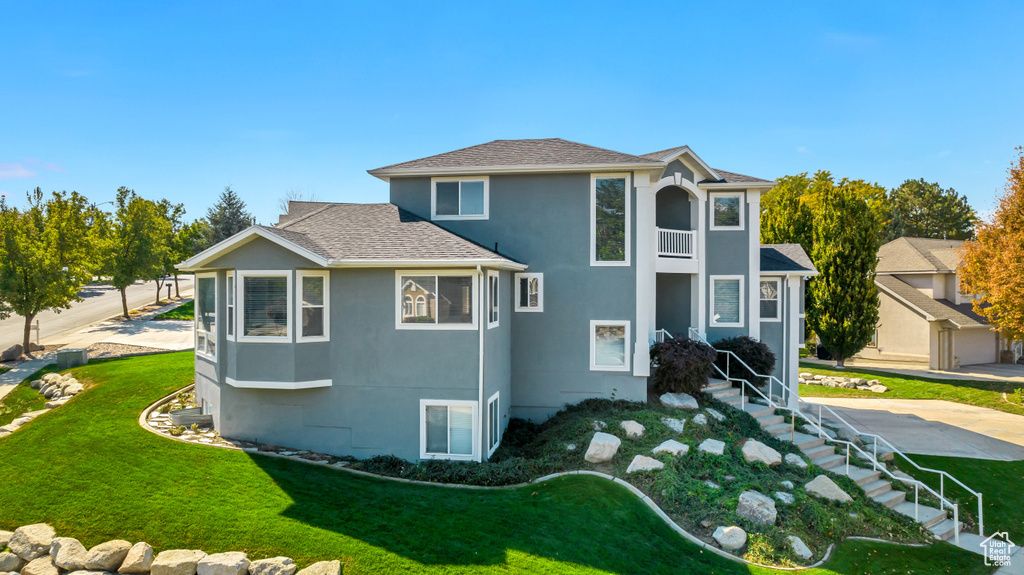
(502, 280)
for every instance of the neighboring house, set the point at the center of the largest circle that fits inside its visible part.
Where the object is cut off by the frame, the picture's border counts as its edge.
(922, 316)
(502, 280)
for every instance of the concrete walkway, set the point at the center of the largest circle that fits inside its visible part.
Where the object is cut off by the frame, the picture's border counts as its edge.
(935, 427)
(982, 372)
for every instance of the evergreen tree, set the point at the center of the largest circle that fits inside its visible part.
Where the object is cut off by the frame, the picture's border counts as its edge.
(919, 209)
(786, 217)
(227, 217)
(137, 242)
(843, 299)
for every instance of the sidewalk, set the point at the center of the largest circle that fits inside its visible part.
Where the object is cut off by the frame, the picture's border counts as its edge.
(142, 332)
(982, 372)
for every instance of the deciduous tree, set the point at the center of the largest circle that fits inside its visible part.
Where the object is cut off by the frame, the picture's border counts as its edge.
(137, 242)
(920, 209)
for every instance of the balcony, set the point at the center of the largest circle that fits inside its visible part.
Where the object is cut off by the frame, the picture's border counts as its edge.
(677, 251)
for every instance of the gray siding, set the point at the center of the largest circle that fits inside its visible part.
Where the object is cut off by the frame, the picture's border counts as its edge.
(498, 358)
(728, 253)
(674, 295)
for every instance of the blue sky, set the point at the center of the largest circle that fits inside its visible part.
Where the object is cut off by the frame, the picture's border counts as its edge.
(179, 99)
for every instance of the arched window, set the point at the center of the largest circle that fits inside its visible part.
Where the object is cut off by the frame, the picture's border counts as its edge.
(421, 306)
(407, 306)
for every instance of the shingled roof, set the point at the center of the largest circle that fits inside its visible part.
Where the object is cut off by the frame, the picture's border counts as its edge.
(786, 258)
(734, 178)
(961, 315)
(919, 255)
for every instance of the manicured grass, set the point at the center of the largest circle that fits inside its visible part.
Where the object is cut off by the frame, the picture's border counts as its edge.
(93, 473)
(980, 393)
(184, 311)
(20, 400)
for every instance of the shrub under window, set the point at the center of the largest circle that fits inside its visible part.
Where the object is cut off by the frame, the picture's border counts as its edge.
(754, 353)
(681, 365)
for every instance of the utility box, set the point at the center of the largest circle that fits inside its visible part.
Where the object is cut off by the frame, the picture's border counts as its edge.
(68, 358)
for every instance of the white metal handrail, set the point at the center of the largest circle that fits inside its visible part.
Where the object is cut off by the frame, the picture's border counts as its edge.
(1018, 350)
(678, 243)
(730, 357)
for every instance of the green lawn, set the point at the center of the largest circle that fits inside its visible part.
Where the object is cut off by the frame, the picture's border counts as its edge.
(90, 471)
(184, 311)
(980, 393)
(20, 400)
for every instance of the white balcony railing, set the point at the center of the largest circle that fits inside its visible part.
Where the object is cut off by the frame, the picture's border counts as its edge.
(677, 243)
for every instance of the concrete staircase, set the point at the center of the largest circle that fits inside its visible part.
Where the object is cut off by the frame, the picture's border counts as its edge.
(824, 456)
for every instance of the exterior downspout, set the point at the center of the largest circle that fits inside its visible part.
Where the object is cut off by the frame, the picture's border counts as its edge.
(480, 325)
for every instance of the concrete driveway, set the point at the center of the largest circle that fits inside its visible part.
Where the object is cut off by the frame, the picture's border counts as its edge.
(935, 427)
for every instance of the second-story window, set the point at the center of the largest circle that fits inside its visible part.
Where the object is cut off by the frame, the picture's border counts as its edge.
(459, 198)
(529, 292)
(726, 210)
(439, 300)
(770, 308)
(609, 225)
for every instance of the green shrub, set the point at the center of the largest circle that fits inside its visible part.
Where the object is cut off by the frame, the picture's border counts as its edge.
(507, 472)
(177, 430)
(681, 365)
(754, 353)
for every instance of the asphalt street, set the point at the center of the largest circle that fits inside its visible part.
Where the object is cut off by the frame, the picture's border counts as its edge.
(100, 302)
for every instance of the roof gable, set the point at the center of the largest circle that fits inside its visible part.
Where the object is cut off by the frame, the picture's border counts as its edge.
(961, 315)
(919, 255)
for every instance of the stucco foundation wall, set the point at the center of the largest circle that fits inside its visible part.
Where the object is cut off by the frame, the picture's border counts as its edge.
(903, 335)
(974, 346)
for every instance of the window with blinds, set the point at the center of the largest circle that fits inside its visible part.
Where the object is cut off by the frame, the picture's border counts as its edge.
(448, 430)
(727, 301)
(265, 306)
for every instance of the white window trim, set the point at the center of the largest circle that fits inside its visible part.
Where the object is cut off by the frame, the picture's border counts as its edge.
(493, 300)
(497, 413)
(711, 308)
(778, 292)
(326, 274)
(424, 403)
(593, 345)
(801, 316)
(593, 219)
(437, 326)
(216, 318)
(540, 293)
(230, 303)
(487, 198)
(711, 216)
(240, 304)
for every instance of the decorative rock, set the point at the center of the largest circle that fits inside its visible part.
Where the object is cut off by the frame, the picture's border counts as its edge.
(632, 428)
(730, 478)
(731, 538)
(50, 391)
(795, 460)
(50, 378)
(56, 403)
(674, 424)
(806, 375)
(679, 401)
(31, 541)
(138, 560)
(879, 388)
(68, 553)
(755, 451)
(787, 485)
(672, 446)
(272, 566)
(602, 447)
(40, 566)
(712, 484)
(757, 508)
(700, 419)
(639, 463)
(847, 434)
(231, 563)
(5, 536)
(12, 353)
(570, 447)
(712, 446)
(716, 415)
(858, 380)
(107, 556)
(785, 498)
(599, 425)
(825, 488)
(177, 562)
(800, 549)
(322, 568)
(36, 384)
(73, 389)
(10, 562)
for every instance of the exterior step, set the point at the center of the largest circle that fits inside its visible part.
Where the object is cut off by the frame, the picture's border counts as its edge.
(716, 384)
(860, 475)
(767, 420)
(877, 487)
(820, 451)
(831, 461)
(805, 442)
(927, 516)
(725, 393)
(944, 530)
(778, 429)
(756, 409)
(891, 498)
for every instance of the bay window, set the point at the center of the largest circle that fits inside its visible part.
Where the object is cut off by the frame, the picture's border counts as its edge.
(313, 306)
(266, 312)
(206, 315)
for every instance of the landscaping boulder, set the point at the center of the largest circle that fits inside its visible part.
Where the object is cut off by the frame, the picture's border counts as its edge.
(807, 375)
(712, 446)
(822, 486)
(40, 566)
(5, 536)
(795, 460)
(10, 562)
(322, 568)
(674, 424)
(50, 377)
(757, 508)
(68, 553)
(787, 485)
(54, 404)
(700, 419)
(230, 563)
(12, 353)
(800, 548)
(31, 541)
(73, 389)
(602, 448)
(715, 414)
(107, 556)
(177, 562)
(731, 538)
(644, 463)
(672, 446)
(847, 434)
(632, 428)
(679, 401)
(36, 384)
(785, 498)
(755, 451)
(599, 425)
(138, 560)
(878, 388)
(272, 566)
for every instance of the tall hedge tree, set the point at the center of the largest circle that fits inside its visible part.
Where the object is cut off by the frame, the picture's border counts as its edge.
(844, 309)
(227, 217)
(44, 255)
(786, 216)
(920, 209)
(993, 264)
(137, 242)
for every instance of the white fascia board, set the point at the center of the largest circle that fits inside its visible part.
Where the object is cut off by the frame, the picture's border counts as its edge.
(686, 151)
(278, 384)
(788, 273)
(504, 265)
(739, 185)
(467, 170)
(242, 238)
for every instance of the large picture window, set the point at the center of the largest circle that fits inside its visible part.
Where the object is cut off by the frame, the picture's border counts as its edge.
(206, 315)
(266, 311)
(438, 300)
(447, 429)
(610, 211)
(770, 306)
(726, 210)
(313, 310)
(727, 301)
(459, 198)
(609, 345)
(529, 294)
